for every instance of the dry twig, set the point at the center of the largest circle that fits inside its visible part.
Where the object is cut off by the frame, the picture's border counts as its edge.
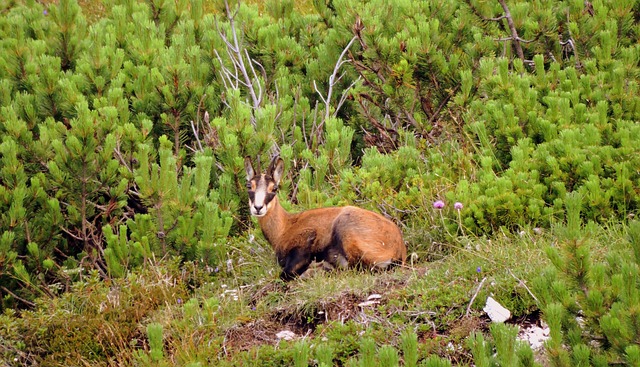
(473, 298)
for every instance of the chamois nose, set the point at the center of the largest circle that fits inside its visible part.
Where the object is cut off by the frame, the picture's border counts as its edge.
(258, 208)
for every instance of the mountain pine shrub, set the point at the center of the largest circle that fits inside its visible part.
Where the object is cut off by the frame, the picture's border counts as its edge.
(123, 136)
(106, 128)
(591, 302)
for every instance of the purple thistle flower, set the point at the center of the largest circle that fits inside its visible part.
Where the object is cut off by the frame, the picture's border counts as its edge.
(438, 204)
(458, 206)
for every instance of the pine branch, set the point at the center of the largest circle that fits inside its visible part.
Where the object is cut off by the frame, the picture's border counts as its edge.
(27, 302)
(514, 33)
(570, 45)
(68, 232)
(121, 159)
(515, 38)
(443, 103)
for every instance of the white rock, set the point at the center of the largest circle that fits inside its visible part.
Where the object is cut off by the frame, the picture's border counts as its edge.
(286, 335)
(495, 311)
(374, 296)
(535, 335)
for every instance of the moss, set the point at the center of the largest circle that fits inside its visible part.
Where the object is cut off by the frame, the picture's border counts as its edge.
(99, 321)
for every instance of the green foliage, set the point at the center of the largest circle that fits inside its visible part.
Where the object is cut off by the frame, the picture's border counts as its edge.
(586, 297)
(122, 137)
(301, 354)
(187, 219)
(109, 123)
(555, 133)
(503, 350)
(121, 254)
(388, 356)
(95, 322)
(409, 343)
(324, 354)
(434, 361)
(367, 352)
(154, 333)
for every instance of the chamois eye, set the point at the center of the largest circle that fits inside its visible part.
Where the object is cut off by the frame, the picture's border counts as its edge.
(249, 185)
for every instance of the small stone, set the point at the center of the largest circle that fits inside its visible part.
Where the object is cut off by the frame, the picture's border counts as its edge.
(286, 335)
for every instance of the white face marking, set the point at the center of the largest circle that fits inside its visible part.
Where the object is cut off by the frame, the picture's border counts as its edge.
(259, 205)
(259, 209)
(262, 187)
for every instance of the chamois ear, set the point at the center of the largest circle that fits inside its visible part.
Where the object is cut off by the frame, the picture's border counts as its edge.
(276, 168)
(248, 168)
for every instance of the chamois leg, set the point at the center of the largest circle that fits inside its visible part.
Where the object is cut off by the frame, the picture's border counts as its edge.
(382, 265)
(294, 263)
(336, 259)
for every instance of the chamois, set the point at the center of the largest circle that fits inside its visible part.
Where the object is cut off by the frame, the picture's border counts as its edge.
(340, 236)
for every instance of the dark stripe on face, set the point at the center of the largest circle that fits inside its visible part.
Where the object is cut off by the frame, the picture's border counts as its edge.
(260, 194)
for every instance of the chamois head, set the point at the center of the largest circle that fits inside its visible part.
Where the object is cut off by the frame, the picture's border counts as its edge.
(263, 186)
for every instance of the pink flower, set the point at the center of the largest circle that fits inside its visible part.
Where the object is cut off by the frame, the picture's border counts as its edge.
(438, 204)
(458, 206)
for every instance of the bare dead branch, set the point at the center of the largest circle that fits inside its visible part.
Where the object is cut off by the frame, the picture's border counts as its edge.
(121, 159)
(196, 127)
(344, 96)
(76, 237)
(315, 87)
(571, 43)
(523, 284)
(243, 72)
(333, 80)
(503, 39)
(443, 103)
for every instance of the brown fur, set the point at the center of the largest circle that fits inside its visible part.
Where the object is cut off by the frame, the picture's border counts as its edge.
(341, 236)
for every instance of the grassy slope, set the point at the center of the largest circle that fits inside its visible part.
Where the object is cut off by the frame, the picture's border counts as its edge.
(231, 316)
(234, 314)
(432, 298)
